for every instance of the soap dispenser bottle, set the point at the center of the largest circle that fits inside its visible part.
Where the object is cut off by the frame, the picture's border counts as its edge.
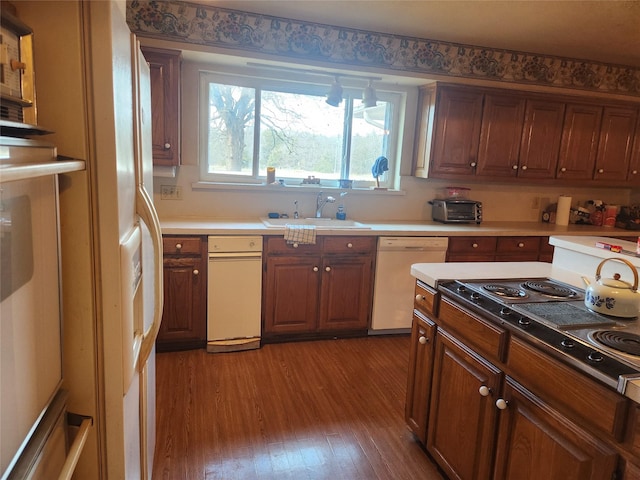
(341, 214)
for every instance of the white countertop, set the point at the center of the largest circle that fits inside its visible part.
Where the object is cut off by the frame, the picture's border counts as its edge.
(432, 273)
(204, 226)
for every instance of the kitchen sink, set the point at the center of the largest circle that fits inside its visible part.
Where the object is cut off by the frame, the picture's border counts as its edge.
(319, 223)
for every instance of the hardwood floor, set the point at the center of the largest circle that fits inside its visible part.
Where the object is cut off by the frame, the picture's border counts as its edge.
(331, 409)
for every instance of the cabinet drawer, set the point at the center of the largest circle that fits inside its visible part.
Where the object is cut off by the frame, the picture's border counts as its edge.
(339, 244)
(485, 337)
(278, 245)
(181, 245)
(425, 299)
(567, 389)
(518, 245)
(472, 245)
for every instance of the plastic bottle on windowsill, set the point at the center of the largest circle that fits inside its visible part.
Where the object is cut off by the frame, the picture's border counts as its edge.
(341, 214)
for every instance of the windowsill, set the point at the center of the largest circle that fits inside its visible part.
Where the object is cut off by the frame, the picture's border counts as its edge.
(277, 188)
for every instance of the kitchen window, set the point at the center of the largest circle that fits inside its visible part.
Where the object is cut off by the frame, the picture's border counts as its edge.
(250, 123)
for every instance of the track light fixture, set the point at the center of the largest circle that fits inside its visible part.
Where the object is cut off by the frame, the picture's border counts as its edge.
(369, 98)
(334, 97)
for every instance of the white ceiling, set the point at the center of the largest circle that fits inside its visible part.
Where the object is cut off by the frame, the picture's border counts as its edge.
(603, 31)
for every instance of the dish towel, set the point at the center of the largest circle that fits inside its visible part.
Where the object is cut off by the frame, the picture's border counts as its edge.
(300, 234)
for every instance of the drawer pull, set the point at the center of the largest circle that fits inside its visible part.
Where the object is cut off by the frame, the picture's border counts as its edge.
(349, 245)
(601, 170)
(327, 269)
(420, 298)
(524, 167)
(502, 404)
(473, 164)
(178, 246)
(295, 245)
(315, 269)
(423, 340)
(196, 272)
(563, 169)
(521, 245)
(474, 245)
(484, 390)
(167, 146)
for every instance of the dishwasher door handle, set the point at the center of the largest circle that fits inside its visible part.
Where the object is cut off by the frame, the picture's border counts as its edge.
(235, 255)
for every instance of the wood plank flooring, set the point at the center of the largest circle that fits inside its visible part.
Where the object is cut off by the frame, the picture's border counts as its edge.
(331, 409)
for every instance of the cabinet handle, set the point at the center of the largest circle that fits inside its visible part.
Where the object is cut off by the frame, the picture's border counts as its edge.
(524, 167)
(601, 170)
(315, 269)
(474, 245)
(327, 269)
(167, 146)
(484, 390)
(349, 245)
(502, 404)
(473, 164)
(178, 246)
(634, 172)
(196, 271)
(515, 167)
(520, 245)
(423, 340)
(420, 298)
(295, 245)
(563, 169)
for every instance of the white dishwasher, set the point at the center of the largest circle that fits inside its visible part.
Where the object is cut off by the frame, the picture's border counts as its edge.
(394, 286)
(234, 293)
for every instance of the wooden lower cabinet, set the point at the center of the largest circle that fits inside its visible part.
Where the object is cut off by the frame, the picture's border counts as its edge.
(326, 288)
(462, 422)
(535, 441)
(482, 414)
(423, 333)
(184, 317)
(499, 249)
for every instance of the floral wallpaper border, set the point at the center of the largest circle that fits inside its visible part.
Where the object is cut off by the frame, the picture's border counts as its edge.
(283, 37)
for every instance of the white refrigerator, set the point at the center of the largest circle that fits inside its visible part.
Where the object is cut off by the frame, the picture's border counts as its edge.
(92, 87)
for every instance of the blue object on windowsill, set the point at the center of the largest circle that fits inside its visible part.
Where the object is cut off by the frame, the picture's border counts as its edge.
(380, 166)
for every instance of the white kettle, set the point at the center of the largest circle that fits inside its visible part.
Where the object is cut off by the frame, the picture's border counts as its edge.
(612, 296)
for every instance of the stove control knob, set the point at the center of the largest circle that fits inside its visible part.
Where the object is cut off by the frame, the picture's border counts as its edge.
(524, 322)
(566, 343)
(595, 357)
(462, 289)
(505, 311)
(475, 296)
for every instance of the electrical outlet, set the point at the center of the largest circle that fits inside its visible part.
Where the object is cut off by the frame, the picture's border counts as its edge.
(170, 192)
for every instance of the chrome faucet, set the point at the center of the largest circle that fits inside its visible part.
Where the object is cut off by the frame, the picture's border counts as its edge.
(320, 203)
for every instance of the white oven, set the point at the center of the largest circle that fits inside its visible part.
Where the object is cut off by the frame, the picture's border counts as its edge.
(30, 307)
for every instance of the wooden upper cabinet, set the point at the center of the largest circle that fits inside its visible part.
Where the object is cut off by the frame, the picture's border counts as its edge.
(579, 142)
(541, 136)
(616, 143)
(164, 67)
(457, 131)
(502, 121)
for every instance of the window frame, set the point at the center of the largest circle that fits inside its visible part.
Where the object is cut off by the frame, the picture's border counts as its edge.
(305, 86)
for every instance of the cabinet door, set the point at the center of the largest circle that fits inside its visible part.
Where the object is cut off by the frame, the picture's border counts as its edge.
(416, 408)
(164, 67)
(579, 146)
(502, 122)
(347, 285)
(291, 294)
(537, 442)
(616, 142)
(457, 132)
(541, 136)
(184, 321)
(517, 249)
(462, 420)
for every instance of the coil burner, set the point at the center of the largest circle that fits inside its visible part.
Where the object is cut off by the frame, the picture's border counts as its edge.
(621, 341)
(505, 291)
(550, 289)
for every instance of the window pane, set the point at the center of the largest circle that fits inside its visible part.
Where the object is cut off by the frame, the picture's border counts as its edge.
(300, 135)
(369, 139)
(231, 129)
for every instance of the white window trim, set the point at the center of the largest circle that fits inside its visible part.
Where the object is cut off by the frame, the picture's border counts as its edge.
(394, 94)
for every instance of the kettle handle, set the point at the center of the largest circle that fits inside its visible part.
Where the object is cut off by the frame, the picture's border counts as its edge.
(629, 264)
